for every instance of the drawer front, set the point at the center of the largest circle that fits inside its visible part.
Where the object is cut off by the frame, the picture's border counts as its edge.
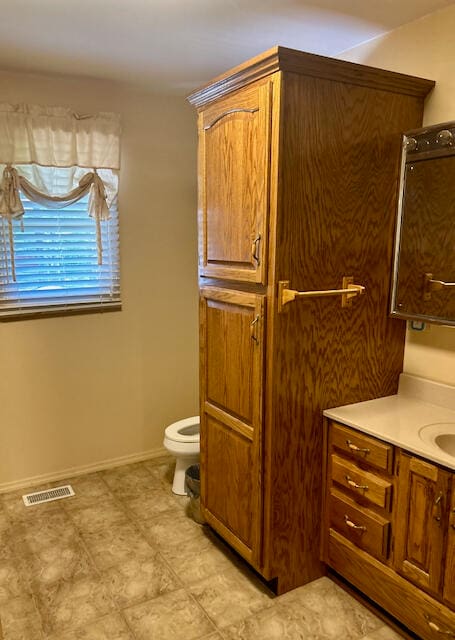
(362, 527)
(361, 483)
(363, 448)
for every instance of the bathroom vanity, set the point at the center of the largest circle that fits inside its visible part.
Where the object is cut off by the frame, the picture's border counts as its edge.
(389, 508)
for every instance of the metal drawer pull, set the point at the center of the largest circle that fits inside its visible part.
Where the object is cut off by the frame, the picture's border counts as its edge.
(354, 485)
(351, 525)
(434, 627)
(355, 448)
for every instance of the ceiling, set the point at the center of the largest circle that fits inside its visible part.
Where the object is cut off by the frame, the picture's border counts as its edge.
(180, 44)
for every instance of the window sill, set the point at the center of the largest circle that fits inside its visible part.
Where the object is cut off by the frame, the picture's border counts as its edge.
(60, 311)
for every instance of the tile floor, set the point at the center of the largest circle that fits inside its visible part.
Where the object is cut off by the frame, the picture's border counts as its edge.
(122, 561)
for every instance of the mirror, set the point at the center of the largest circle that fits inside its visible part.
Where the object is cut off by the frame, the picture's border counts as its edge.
(424, 263)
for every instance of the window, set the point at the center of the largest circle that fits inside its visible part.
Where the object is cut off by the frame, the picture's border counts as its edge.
(56, 261)
(59, 241)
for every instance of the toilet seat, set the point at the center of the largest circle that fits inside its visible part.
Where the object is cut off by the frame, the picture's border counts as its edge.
(186, 430)
(181, 439)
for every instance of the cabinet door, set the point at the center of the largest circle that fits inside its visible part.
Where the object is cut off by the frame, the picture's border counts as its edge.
(449, 575)
(234, 159)
(421, 522)
(231, 415)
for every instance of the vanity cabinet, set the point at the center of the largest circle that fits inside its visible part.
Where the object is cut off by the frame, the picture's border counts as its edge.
(298, 167)
(399, 551)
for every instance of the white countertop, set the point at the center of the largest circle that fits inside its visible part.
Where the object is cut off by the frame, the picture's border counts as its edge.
(398, 419)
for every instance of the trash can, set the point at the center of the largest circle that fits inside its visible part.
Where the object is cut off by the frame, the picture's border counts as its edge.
(193, 490)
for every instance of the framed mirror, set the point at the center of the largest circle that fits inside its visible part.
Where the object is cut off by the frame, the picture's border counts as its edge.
(424, 260)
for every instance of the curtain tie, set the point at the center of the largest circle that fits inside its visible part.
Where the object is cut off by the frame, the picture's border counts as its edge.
(11, 207)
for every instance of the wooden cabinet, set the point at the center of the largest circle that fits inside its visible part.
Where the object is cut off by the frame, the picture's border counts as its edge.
(298, 169)
(390, 532)
(421, 526)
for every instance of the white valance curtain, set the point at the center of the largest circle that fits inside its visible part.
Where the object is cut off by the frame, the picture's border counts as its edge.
(55, 157)
(58, 137)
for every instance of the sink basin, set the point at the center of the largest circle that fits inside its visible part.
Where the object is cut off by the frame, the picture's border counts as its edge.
(441, 435)
(446, 442)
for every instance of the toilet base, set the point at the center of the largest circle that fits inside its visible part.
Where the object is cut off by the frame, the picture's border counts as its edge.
(182, 464)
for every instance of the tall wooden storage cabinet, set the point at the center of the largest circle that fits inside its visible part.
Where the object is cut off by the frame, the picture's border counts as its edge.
(298, 170)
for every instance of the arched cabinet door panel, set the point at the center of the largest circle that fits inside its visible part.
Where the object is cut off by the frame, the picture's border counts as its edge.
(234, 168)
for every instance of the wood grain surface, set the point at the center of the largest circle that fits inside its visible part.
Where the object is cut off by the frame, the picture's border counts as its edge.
(339, 158)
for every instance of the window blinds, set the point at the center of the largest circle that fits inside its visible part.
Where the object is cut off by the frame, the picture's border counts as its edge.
(57, 261)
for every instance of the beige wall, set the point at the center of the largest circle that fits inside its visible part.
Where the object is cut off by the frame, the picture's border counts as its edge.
(78, 390)
(424, 48)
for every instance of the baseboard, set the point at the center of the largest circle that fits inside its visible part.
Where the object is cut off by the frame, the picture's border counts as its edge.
(5, 487)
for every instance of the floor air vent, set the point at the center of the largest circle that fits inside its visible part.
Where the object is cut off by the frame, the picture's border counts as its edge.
(48, 495)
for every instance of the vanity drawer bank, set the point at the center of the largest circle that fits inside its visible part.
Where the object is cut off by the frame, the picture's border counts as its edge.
(389, 509)
(298, 160)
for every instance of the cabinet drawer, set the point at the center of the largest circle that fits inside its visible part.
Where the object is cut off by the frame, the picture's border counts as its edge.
(362, 527)
(362, 447)
(361, 483)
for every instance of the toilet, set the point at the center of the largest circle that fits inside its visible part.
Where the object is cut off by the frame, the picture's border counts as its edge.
(181, 439)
